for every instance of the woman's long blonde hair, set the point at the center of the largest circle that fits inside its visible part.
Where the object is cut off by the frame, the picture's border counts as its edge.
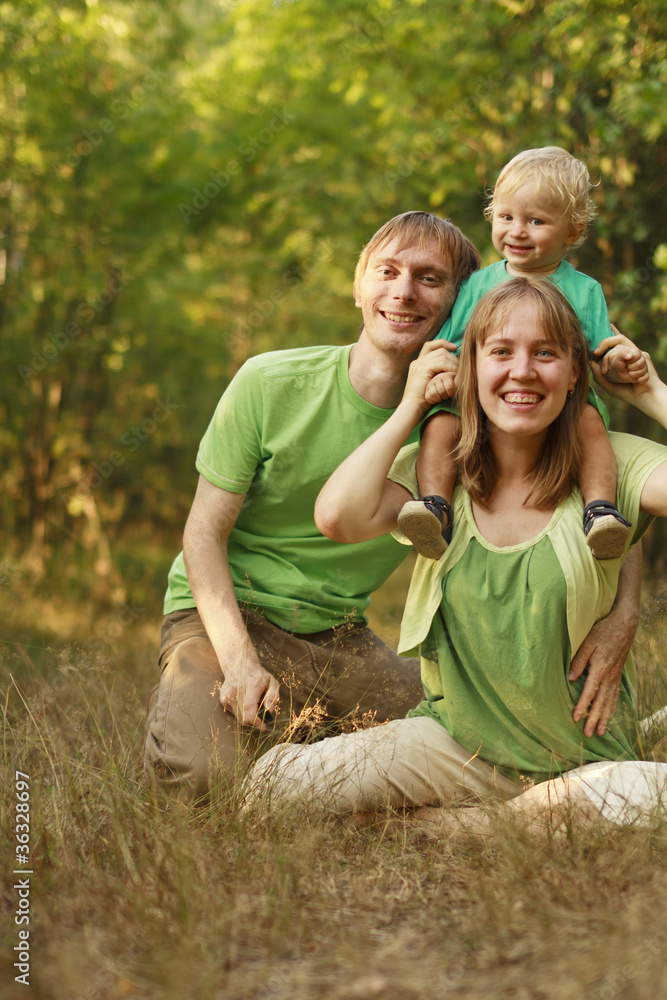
(557, 469)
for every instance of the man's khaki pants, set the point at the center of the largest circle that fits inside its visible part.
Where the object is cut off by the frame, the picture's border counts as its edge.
(344, 673)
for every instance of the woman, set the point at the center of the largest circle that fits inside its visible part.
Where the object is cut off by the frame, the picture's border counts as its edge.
(517, 590)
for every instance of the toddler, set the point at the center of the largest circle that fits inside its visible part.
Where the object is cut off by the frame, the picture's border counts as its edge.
(540, 207)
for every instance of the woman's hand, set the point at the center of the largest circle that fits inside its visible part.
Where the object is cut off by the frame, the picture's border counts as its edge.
(432, 376)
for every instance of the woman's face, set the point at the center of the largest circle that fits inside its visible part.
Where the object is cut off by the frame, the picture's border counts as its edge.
(523, 380)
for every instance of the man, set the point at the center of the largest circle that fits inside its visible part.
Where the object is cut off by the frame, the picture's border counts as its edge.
(263, 615)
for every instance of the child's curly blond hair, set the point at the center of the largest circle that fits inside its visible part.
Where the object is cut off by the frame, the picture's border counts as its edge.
(556, 171)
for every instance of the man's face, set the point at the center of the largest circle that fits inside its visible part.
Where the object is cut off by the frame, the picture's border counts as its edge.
(405, 296)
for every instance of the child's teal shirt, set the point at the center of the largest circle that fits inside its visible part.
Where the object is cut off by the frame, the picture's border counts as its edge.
(584, 294)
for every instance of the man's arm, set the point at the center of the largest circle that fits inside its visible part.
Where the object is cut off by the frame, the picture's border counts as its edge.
(246, 683)
(605, 648)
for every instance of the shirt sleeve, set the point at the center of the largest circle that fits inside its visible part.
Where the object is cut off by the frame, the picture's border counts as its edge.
(637, 458)
(231, 449)
(404, 468)
(456, 322)
(595, 321)
(404, 472)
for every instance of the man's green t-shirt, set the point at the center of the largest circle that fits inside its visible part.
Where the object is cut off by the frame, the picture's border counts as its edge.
(286, 421)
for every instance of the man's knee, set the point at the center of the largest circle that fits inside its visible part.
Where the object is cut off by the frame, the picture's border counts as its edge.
(191, 776)
(374, 677)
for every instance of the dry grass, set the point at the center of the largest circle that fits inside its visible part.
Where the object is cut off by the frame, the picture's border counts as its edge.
(136, 896)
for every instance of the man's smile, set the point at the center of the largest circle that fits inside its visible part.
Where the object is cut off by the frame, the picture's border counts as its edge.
(400, 317)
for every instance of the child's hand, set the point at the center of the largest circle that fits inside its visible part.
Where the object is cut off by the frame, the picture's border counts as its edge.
(441, 386)
(638, 393)
(623, 361)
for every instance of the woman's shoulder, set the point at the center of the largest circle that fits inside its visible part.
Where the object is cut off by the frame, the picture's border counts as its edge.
(635, 452)
(404, 468)
(636, 458)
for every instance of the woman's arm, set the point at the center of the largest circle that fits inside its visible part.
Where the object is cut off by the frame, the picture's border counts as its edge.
(358, 502)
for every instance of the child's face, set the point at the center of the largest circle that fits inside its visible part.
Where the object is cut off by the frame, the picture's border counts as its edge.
(530, 230)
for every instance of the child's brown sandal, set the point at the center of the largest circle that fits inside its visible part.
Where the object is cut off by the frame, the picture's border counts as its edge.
(422, 522)
(606, 529)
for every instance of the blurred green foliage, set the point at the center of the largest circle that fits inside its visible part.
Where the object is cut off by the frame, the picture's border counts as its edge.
(185, 184)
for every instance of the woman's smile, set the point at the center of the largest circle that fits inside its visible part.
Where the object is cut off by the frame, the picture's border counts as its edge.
(522, 400)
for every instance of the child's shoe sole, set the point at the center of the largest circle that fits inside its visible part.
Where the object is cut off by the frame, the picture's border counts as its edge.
(607, 538)
(423, 529)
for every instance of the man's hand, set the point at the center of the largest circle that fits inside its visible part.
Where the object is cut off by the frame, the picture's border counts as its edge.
(622, 360)
(246, 684)
(600, 653)
(605, 649)
(251, 692)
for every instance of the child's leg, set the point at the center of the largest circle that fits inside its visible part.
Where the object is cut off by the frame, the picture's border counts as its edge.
(606, 530)
(426, 522)
(436, 464)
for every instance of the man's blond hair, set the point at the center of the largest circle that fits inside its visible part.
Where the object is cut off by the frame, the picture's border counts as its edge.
(421, 229)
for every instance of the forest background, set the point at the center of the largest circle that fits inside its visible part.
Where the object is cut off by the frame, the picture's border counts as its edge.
(185, 184)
